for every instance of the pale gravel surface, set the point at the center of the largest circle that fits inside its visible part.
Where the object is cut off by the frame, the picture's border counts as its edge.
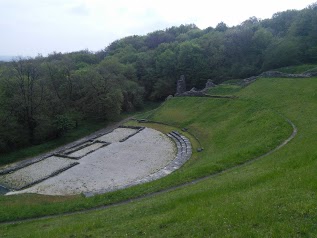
(34, 172)
(86, 150)
(117, 135)
(115, 165)
(6, 168)
(68, 151)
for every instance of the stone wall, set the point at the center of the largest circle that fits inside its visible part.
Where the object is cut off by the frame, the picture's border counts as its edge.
(278, 74)
(181, 86)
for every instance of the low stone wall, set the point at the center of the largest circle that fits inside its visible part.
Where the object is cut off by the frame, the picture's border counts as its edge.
(86, 148)
(278, 74)
(21, 164)
(139, 129)
(36, 172)
(107, 169)
(24, 175)
(184, 152)
(116, 136)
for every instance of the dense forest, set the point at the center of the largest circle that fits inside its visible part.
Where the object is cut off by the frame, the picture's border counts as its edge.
(43, 97)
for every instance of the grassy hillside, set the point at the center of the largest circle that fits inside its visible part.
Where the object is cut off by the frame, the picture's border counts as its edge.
(271, 197)
(299, 69)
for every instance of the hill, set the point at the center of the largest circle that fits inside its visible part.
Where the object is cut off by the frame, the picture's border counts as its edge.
(67, 90)
(271, 195)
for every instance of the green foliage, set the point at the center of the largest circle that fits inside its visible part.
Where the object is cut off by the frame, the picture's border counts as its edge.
(231, 131)
(45, 97)
(132, 96)
(192, 64)
(35, 92)
(165, 63)
(274, 196)
(261, 39)
(280, 22)
(62, 124)
(282, 53)
(221, 27)
(163, 88)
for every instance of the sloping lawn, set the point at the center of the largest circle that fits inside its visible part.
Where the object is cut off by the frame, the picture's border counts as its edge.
(271, 197)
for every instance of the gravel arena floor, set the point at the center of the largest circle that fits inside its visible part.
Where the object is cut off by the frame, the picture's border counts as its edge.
(108, 168)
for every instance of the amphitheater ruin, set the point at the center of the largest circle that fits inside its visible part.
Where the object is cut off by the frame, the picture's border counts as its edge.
(115, 160)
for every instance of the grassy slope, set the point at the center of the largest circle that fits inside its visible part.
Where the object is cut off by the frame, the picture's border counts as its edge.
(224, 89)
(231, 131)
(298, 69)
(273, 197)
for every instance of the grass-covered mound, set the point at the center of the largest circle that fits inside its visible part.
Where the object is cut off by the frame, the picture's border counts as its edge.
(232, 131)
(225, 89)
(271, 197)
(299, 69)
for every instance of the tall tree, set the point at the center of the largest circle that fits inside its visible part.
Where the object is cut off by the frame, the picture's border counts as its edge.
(193, 64)
(25, 89)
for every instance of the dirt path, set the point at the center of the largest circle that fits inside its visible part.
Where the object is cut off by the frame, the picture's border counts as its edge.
(294, 133)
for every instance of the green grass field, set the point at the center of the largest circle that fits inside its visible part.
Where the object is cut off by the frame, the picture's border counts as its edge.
(274, 196)
(224, 89)
(298, 69)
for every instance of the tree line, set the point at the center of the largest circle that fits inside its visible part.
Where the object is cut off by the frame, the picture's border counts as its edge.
(43, 97)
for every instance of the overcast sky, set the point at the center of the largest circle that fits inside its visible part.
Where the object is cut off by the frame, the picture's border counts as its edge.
(29, 27)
